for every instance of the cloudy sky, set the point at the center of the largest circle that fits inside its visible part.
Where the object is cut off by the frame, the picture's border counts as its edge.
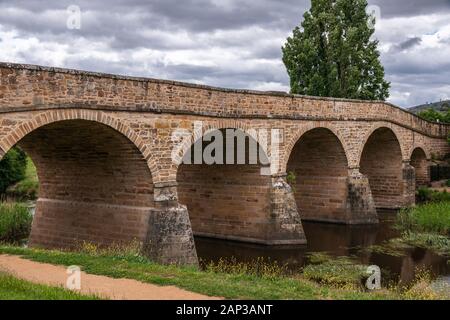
(228, 43)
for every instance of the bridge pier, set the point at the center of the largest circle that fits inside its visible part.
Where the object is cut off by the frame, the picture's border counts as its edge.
(409, 184)
(284, 226)
(169, 237)
(360, 204)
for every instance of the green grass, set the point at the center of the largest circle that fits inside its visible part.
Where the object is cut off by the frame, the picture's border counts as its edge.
(235, 284)
(15, 222)
(12, 288)
(436, 242)
(430, 217)
(427, 226)
(338, 272)
(27, 188)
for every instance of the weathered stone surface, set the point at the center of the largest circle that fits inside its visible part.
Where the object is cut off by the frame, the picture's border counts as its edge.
(360, 205)
(285, 225)
(409, 183)
(169, 237)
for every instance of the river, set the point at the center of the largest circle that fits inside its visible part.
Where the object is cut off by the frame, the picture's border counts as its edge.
(336, 240)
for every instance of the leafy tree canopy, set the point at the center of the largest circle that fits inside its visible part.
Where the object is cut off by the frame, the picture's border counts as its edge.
(433, 115)
(332, 53)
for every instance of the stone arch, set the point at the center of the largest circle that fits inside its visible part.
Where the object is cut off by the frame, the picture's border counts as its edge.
(227, 201)
(421, 146)
(419, 160)
(95, 184)
(318, 170)
(304, 129)
(51, 116)
(206, 127)
(374, 128)
(381, 161)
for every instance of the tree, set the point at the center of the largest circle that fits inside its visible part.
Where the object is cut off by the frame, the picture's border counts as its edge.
(433, 115)
(12, 168)
(332, 53)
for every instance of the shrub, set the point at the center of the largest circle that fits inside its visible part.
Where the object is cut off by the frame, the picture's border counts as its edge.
(15, 222)
(12, 168)
(27, 188)
(291, 179)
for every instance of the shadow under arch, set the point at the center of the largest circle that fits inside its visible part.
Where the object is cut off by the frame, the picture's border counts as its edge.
(318, 167)
(382, 162)
(52, 116)
(226, 199)
(304, 129)
(420, 163)
(95, 184)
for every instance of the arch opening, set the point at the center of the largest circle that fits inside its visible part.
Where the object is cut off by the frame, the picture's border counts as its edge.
(420, 163)
(381, 162)
(226, 199)
(95, 185)
(318, 171)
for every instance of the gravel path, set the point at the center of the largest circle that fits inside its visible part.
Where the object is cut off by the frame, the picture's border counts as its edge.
(122, 289)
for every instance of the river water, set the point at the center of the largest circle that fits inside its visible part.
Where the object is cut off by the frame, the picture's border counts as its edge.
(336, 240)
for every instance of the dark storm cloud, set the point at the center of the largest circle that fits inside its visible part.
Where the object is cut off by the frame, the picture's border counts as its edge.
(399, 8)
(407, 44)
(231, 43)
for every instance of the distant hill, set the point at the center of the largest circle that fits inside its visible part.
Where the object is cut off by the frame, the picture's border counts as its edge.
(438, 106)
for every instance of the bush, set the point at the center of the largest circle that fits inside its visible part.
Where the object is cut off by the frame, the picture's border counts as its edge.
(427, 195)
(15, 222)
(12, 168)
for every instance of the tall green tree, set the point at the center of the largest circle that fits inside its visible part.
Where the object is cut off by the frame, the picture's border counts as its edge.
(332, 53)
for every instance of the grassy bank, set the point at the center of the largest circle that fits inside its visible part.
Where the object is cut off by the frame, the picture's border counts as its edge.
(427, 226)
(433, 217)
(15, 289)
(237, 282)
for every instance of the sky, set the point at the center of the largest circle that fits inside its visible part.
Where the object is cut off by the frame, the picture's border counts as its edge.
(225, 43)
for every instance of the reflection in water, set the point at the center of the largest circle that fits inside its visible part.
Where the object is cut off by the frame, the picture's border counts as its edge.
(337, 240)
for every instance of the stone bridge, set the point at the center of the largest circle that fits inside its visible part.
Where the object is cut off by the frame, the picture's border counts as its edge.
(104, 148)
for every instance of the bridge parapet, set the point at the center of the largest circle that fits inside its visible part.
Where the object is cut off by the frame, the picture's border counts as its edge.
(30, 87)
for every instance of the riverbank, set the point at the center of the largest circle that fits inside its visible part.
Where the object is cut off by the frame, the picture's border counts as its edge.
(427, 226)
(239, 282)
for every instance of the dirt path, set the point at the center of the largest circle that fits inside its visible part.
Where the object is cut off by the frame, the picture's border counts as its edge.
(101, 286)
